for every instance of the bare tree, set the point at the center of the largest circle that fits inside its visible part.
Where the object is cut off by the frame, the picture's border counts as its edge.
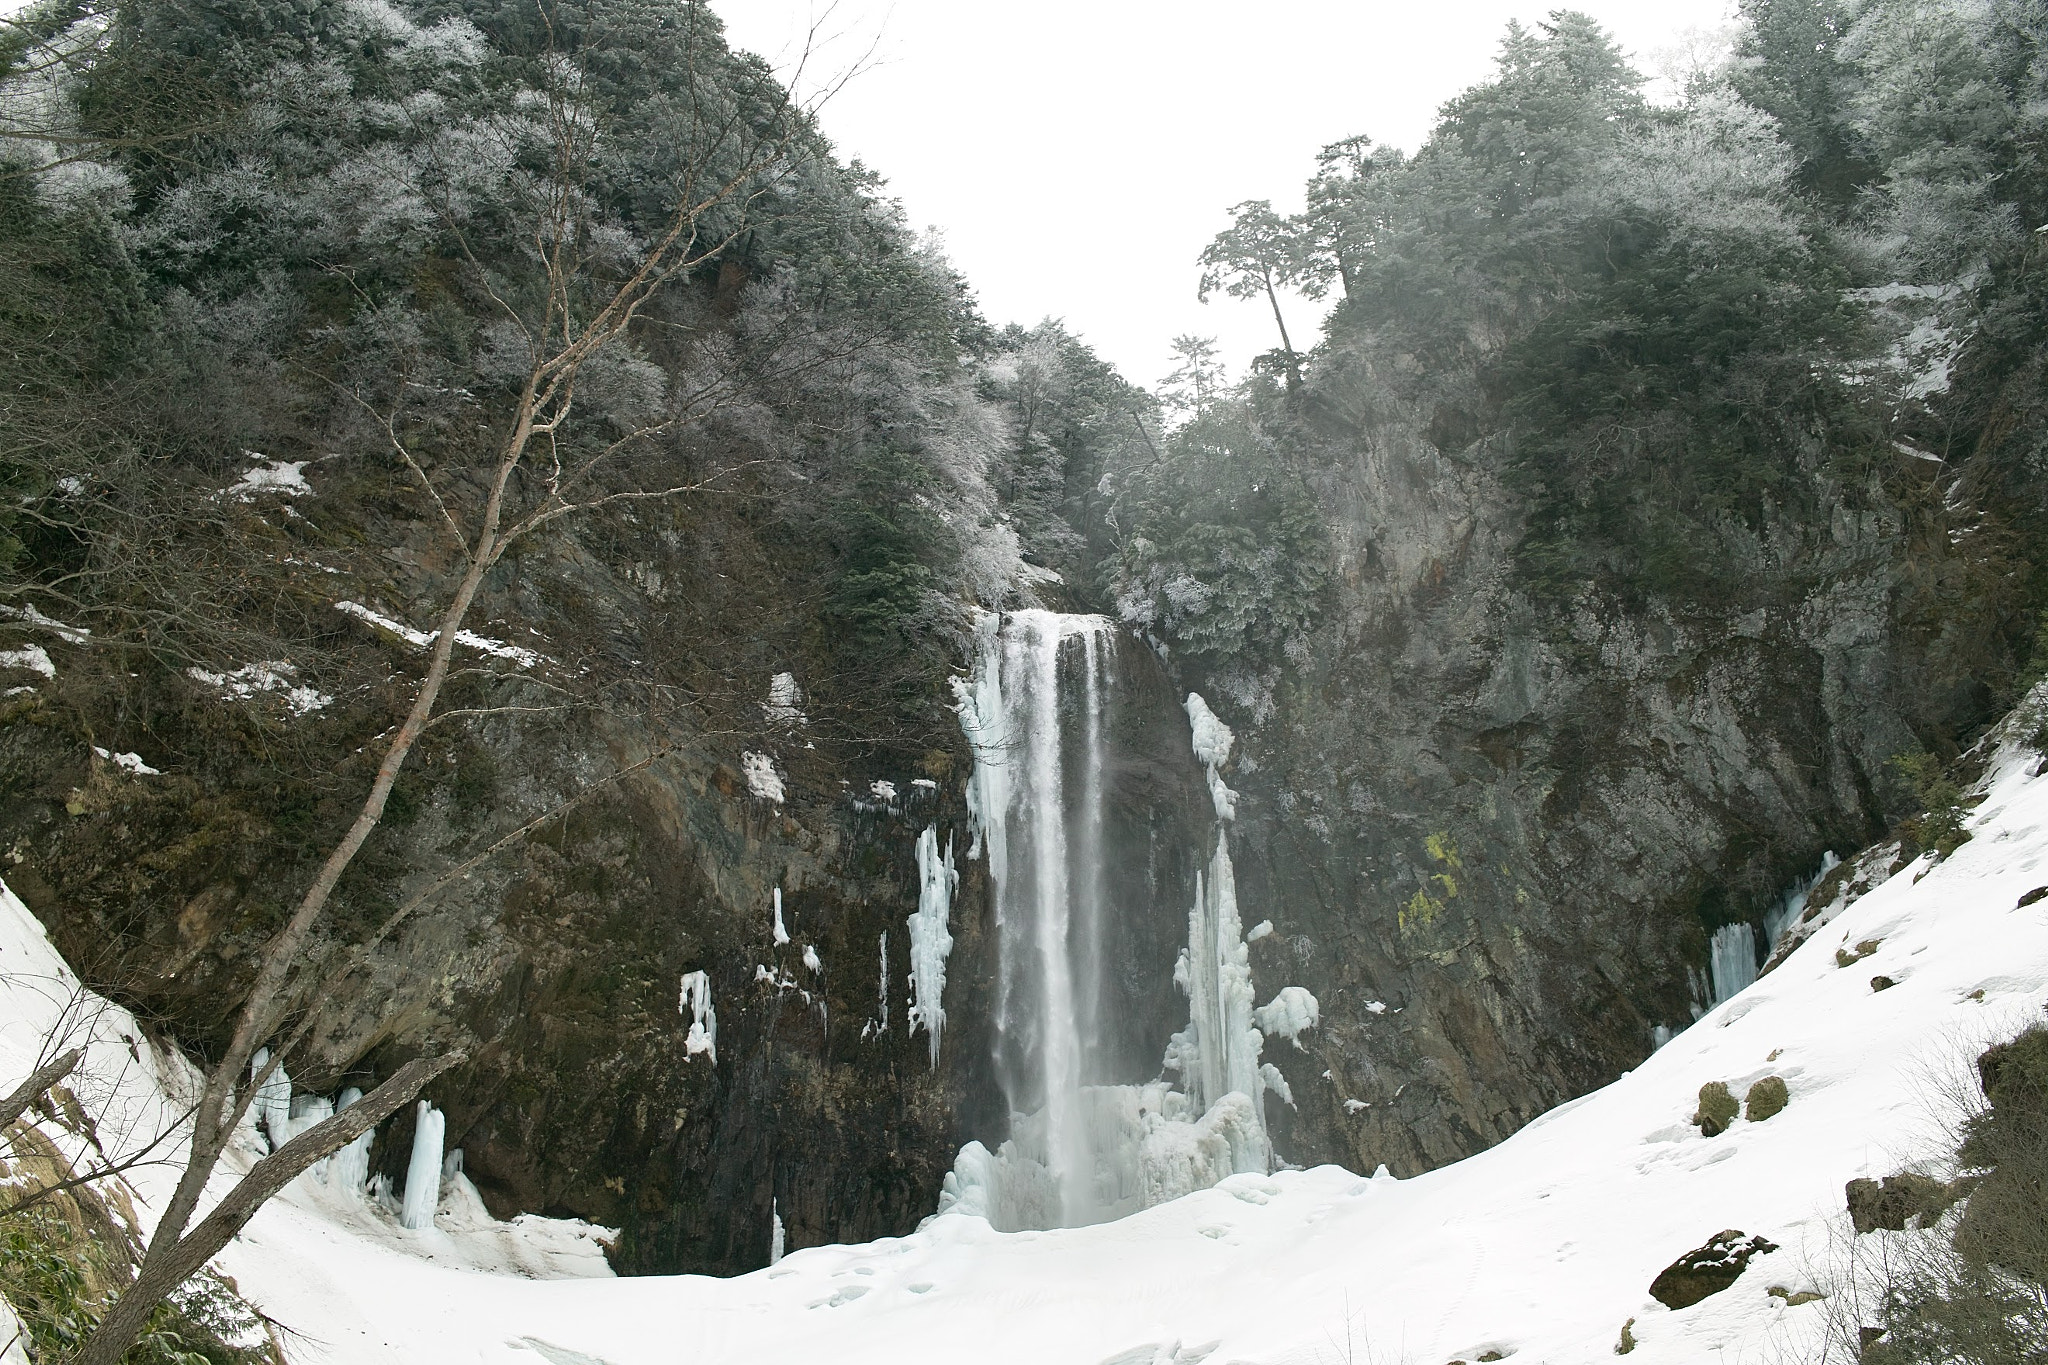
(587, 293)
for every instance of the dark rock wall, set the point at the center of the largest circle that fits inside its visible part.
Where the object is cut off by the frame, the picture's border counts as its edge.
(1513, 826)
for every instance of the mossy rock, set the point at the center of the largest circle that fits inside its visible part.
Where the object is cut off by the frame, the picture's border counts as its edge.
(1895, 1204)
(1765, 1099)
(1717, 1109)
(1628, 1338)
(1708, 1269)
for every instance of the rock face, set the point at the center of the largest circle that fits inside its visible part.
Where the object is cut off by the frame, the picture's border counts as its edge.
(1495, 834)
(1708, 1269)
(1894, 1202)
(559, 962)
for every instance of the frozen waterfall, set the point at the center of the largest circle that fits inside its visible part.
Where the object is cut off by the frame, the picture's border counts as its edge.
(1086, 1146)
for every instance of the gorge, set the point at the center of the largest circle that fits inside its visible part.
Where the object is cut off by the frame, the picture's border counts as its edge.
(815, 772)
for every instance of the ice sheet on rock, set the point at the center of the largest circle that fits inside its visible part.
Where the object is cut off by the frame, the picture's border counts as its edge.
(423, 1171)
(1288, 1014)
(785, 701)
(424, 639)
(762, 779)
(251, 680)
(811, 959)
(27, 615)
(696, 1002)
(287, 478)
(131, 763)
(31, 658)
(931, 939)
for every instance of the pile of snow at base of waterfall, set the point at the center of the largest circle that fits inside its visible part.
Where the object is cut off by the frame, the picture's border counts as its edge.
(1540, 1248)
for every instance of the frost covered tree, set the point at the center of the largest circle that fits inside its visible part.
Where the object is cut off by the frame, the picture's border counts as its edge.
(1257, 256)
(458, 242)
(1197, 382)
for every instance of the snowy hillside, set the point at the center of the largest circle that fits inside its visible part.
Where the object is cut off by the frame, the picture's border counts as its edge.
(1541, 1248)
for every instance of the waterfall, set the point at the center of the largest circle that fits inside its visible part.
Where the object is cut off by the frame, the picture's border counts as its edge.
(1084, 1145)
(1044, 848)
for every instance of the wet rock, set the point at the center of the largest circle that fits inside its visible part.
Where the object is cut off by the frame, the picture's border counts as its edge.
(1708, 1269)
(2038, 893)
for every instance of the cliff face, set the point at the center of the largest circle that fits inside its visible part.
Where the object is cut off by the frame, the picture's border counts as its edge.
(1495, 833)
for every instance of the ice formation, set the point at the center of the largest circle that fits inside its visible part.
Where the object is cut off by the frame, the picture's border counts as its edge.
(811, 959)
(348, 1170)
(1288, 1014)
(776, 1239)
(423, 1172)
(1213, 740)
(1731, 960)
(931, 939)
(762, 779)
(1083, 1148)
(696, 1002)
(785, 701)
(777, 929)
(272, 1108)
(33, 658)
(129, 763)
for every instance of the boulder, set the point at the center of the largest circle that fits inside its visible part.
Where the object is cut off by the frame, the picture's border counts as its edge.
(1708, 1269)
(1717, 1108)
(1767, 1097)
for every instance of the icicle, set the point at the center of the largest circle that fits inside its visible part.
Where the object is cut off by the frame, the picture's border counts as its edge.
(696, 1002)
(931, 939)
(781, 934)
(883, 993)
(775, 1234)
(423, 1172)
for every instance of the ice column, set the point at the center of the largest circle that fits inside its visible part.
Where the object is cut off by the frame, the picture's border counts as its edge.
(423, 1172)
(349, 1169)
(273, 1105)
(931, 939)
(775, 1234)
(696, 1002)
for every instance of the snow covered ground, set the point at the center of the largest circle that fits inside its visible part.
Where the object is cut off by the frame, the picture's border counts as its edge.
(1539, 1249)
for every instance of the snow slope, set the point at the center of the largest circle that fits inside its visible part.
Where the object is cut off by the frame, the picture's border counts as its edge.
(1540, 1248)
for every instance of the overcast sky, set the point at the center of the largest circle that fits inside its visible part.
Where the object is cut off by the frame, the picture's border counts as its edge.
(1077, 155)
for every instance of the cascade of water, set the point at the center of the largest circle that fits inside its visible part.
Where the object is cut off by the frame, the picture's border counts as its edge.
(1083, 1148)
(1045, 857)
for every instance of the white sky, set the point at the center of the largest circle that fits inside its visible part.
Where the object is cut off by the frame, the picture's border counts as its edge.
(1077, 155)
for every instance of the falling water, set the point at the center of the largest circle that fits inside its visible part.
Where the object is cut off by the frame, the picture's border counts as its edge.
(1045, 843)
(1086, 1145)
